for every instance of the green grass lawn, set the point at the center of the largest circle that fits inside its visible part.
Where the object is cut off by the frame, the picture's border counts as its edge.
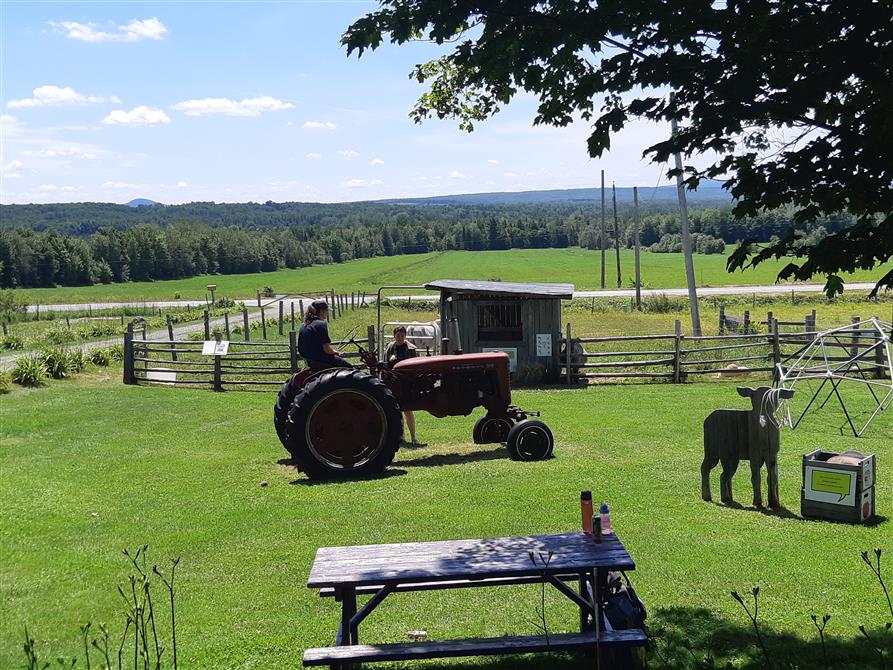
(91, 467)
(577, 266)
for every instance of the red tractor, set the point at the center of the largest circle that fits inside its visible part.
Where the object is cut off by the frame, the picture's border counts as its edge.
(348, 421)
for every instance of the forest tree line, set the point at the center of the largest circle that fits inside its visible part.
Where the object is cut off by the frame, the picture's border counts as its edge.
(62, 252)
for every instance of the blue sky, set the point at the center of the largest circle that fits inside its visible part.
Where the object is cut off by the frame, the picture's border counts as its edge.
(231, 102)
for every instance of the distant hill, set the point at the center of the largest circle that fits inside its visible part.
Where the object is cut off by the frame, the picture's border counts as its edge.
(707, 193)
(141, 202)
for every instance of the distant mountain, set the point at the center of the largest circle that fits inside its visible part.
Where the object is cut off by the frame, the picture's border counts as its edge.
(141, 202)
(708, 192)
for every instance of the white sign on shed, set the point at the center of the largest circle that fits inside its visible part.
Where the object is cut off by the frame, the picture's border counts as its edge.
(215, 348)
(543, 344)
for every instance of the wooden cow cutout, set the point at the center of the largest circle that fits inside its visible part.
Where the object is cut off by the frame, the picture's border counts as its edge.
(734, 435)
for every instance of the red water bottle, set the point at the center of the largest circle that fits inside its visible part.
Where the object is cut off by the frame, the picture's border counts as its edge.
(586, 511)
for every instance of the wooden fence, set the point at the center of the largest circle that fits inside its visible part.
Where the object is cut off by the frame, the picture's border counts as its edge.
(245, 365)
(677, 357)
(729, 323)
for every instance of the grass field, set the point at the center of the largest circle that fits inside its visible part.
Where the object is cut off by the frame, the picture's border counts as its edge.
(90, 467)
(575, 265)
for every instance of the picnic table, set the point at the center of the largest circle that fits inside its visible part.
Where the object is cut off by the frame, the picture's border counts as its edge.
(344, 573)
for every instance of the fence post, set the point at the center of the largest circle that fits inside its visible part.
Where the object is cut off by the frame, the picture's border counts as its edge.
(263, 321)
(301, 310)
(207, 318)
(567, 357)
(129, 377)
(854, 349)
(170, 335)
(879, 350)
(293, 350)
(722, 319)
(218, 381)
(769, 321)
(677, 353)
(291, 304)
(258, 299)
(776, 344)
(246, 330)
(333, 312)
(5, 328)
(226, 324)
(281, 318)
(746, 321)
(370, 337)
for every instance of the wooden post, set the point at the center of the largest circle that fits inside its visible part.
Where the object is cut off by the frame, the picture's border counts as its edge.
(879, 355)
(592, 305)
(38, 315)
(567, 345)
(5, 328)
(854, 349)
(746, 321)
(293, 349)
(263, 321)
(301, 310)
(677, 353)
(207, 325)
(246, 329)
(370, 337)
(67, 322)
(226, 324)
(129, 376)
(281, 318)
(638, 249)
(258, 299)
(722, 319)
(602, 231)
(776, 343)
(616, 234)
(793, 299)
(122, 317)
(291, 304)
(769, 320)
(218, 381)
(332, 310)
(170, 335)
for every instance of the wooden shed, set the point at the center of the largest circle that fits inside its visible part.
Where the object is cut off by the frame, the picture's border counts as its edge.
(524, 320)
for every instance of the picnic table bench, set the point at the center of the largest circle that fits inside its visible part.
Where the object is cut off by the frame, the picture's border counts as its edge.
(344, 573)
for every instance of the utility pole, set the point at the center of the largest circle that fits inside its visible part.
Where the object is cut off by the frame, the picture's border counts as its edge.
(616, 234)
(638, 265)
(602, 233)
(686, 236)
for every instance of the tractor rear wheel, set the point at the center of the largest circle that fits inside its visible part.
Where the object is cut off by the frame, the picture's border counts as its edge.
(530, 440)
(280, 410)
(491, 429)
(344, 423)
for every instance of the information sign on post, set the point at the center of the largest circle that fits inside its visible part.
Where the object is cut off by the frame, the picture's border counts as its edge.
(215, 348)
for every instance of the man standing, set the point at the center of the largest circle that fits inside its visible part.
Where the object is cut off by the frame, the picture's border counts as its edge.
(400, 350)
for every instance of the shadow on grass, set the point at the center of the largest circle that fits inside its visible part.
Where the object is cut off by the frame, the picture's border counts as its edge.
(387, 474)
(436, 460)
(780, 512)
(688, 638)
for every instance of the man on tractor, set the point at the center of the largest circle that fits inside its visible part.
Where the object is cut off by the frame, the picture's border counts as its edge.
(315, 345)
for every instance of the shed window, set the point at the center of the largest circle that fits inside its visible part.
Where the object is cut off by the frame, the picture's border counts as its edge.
(499, 322)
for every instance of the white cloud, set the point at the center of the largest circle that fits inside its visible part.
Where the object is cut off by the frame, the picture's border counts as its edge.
(348, 153)
(314, 156)
(138, 116)
(376, 182)
(510, 175)
(118, 185)
(12, 169)
(376, 161)
(354, 183)
(319, 125)
(227, 107)
(493, 161)
(62, 151)
(182, 184)
(47, 188)
(132, 31)
(54, 96)
(455, 174)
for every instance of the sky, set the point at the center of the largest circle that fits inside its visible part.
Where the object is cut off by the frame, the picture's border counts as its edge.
(254, 101)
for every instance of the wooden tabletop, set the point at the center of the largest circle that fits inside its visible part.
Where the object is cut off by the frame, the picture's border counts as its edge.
(463, 559)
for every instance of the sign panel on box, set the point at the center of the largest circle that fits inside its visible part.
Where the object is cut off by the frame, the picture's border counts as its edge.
(215, 348)
(511, 351)
(830, 486)
(543, 344)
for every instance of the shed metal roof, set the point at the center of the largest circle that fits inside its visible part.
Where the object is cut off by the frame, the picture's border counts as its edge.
(565, 291)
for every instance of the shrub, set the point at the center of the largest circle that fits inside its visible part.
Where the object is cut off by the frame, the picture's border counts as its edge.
(117, 352)
(55, 362)
(58, 333)
(101, 356)
(5, 383)
(77, 361)
(664, 304)
(11, 342)
(29, 371)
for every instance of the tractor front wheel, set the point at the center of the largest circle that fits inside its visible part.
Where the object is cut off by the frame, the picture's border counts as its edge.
(491, 429)
(530, 440)
(344, 423)
(284, 401)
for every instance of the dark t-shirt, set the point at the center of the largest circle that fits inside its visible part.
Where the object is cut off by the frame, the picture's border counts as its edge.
(395, 353)
(313, 336)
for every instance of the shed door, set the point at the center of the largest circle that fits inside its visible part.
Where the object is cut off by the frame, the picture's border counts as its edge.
(500, 321)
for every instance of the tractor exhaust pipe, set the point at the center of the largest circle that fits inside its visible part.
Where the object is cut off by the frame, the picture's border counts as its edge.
(453, 330)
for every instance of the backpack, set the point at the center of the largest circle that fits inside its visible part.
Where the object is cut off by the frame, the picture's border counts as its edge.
(623, 608)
